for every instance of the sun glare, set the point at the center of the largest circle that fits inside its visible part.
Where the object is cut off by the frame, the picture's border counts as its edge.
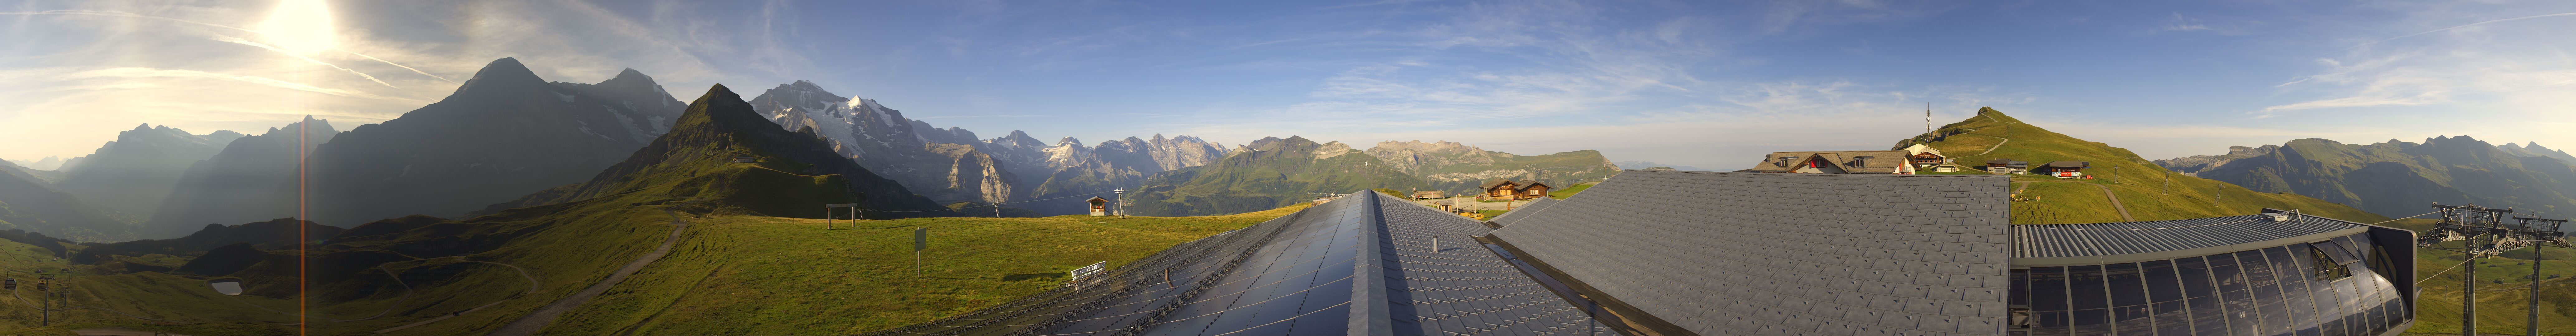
(300, 26)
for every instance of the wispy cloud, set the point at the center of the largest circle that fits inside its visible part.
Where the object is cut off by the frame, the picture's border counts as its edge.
(132, 72)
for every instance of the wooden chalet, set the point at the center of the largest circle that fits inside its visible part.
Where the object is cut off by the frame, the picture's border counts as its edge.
(1924, 158)
(2066, 169)
(1837, 162)
(1430, 194)
(1099, 206)
(2007, 166)
(1505, 190)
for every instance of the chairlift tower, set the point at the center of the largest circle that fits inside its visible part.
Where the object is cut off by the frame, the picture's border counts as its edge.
(2485, 234)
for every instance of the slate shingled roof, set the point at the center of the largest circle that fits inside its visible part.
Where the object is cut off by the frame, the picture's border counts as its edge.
(1533, 206)
(1786, 254)
(1361, 265)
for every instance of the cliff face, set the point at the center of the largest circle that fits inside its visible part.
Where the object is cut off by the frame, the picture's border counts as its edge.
(1458, 168)
(885, 142)
(2193, 165)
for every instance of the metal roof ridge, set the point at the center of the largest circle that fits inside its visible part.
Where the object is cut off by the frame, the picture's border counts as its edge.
(1370, 313)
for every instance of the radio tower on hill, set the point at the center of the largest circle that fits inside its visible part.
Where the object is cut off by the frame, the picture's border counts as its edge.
(1927, 117)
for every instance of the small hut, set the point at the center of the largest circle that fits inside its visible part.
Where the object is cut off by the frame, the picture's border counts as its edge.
(1099, 206)
(1430, 194)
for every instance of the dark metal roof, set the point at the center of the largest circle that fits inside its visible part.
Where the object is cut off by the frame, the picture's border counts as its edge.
(1785, 254)
(2075, 164)
(1532, 206)
(1361, 265)
(2165, 239)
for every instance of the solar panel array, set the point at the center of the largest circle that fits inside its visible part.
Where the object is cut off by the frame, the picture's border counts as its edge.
(1361, 264)
(1720, 253)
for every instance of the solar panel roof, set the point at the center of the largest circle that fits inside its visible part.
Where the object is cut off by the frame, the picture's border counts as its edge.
(1359, 265)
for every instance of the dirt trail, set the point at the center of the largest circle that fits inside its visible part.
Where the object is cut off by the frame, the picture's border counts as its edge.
(533, 322)
(2115, 203)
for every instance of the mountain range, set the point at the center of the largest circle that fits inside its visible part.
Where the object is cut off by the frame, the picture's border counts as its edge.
(509, 139)
(504, 134)
(253, 178)
(131, 176)
(1268, 173)
(1459, 168)
(2398, 178)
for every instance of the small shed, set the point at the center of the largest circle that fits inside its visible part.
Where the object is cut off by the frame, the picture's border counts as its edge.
(1099, 206)
(1430, 194)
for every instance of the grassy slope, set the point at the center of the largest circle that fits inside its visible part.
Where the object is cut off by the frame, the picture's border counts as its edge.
(2149, 191)
(1570, 191)
(152, 294)
(779, 276)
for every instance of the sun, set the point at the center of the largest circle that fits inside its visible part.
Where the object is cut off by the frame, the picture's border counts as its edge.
(302, 27)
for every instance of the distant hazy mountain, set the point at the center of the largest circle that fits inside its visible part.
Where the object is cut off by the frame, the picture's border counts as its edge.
(28, 203)
(504, 134)
(253, 179)
(132, 175)
(1459, 168)
(1652, 164)
(1268, 173)
(2536, 150)
(885, 142)
(2398, 178)
(47, 163)
(2193, 165)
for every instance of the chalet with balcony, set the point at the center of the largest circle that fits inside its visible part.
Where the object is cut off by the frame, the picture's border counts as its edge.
(1837, 162)
(1505, 190)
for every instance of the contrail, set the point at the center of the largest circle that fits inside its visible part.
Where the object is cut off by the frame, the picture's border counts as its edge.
(122, 14)
(132, 15)
(417, 71)
(301, 57)
(136, 72)
(2448, 29)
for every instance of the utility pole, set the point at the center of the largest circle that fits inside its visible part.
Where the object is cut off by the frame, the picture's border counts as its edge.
(1121, 195)
(2487, 235)
(920, 241)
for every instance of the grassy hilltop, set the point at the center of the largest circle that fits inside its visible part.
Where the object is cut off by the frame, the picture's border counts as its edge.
(2148, 191)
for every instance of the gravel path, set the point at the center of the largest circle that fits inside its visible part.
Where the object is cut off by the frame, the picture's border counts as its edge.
(533, 322)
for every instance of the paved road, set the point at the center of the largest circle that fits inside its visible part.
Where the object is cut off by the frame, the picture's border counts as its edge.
(530, 324)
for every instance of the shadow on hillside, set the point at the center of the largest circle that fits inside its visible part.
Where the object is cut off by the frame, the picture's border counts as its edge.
(1033, 276)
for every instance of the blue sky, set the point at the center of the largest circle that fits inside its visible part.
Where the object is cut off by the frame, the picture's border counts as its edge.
(1701, 83)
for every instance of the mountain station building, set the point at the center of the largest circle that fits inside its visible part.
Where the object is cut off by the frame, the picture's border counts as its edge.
(1837, 162)
(1741, 253)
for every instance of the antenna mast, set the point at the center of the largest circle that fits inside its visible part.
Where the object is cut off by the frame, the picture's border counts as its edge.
(1927, 117)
